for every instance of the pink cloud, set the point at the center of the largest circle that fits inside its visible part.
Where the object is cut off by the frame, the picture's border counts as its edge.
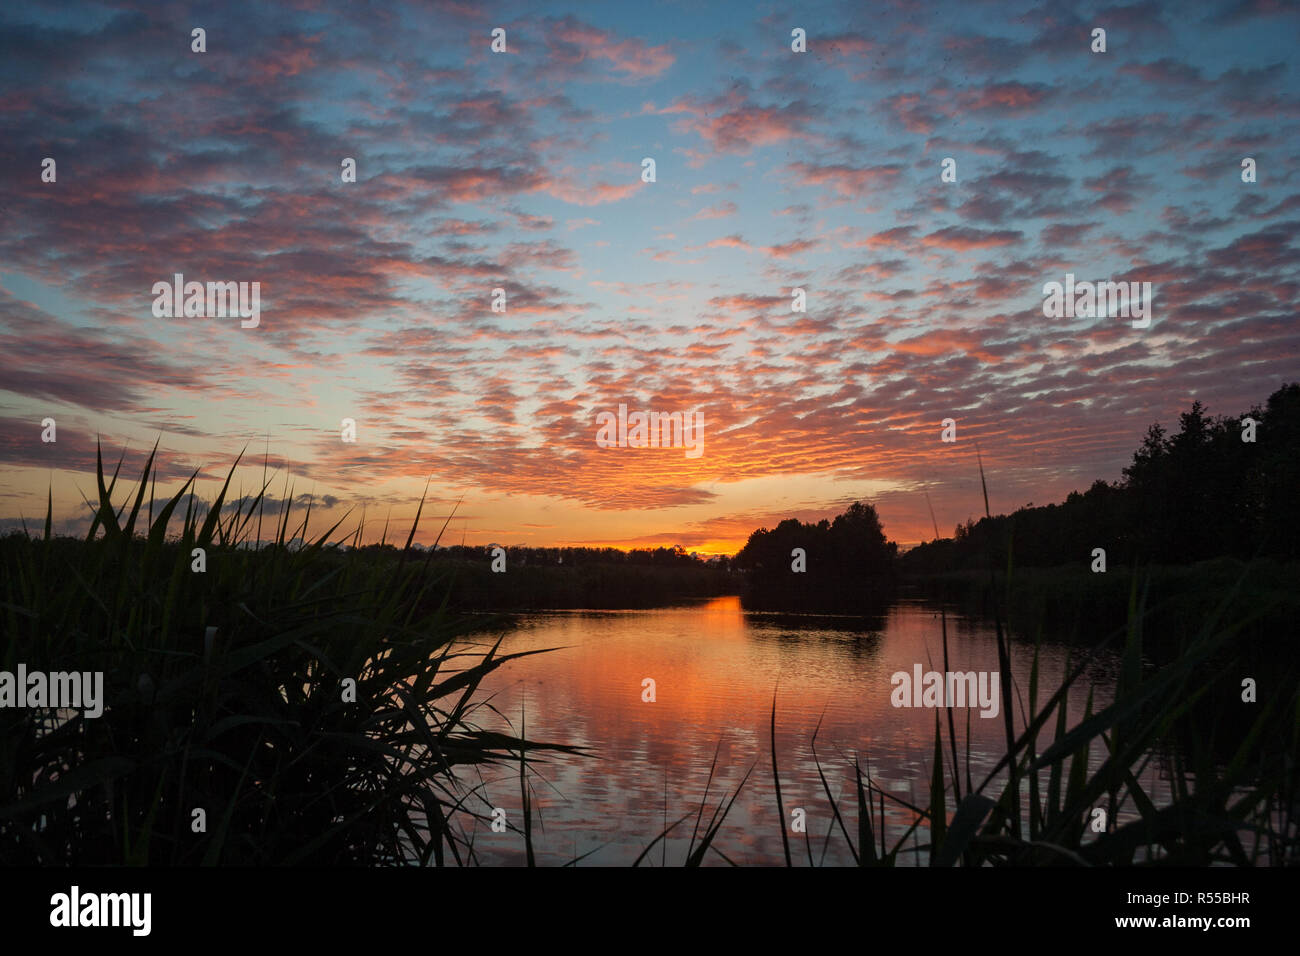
(581, 193)
(961, 238)
(847, 181)
(633, 57)
(788, 249)
(729, 242)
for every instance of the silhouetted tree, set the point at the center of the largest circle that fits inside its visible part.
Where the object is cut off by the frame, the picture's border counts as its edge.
(850, 564)
(1199, 493)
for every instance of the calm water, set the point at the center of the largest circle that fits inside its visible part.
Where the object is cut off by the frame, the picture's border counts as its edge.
(715, 668)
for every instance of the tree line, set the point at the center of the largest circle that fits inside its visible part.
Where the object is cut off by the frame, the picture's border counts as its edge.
(1217, 487)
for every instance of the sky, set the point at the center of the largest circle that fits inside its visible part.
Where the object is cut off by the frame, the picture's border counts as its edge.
(522, 170)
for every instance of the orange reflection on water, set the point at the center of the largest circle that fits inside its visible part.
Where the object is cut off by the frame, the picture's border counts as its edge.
(715, 668)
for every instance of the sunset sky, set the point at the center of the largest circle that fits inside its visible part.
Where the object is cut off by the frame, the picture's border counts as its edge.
(522, 170)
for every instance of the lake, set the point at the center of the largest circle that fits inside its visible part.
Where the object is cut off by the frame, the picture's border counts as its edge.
(715, 668)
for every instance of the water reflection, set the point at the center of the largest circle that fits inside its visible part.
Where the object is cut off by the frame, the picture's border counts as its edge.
(715, 668)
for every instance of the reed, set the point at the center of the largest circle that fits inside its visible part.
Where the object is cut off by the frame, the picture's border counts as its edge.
(231, 733)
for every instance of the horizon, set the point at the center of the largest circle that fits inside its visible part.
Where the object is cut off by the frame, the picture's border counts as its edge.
(523, 172)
